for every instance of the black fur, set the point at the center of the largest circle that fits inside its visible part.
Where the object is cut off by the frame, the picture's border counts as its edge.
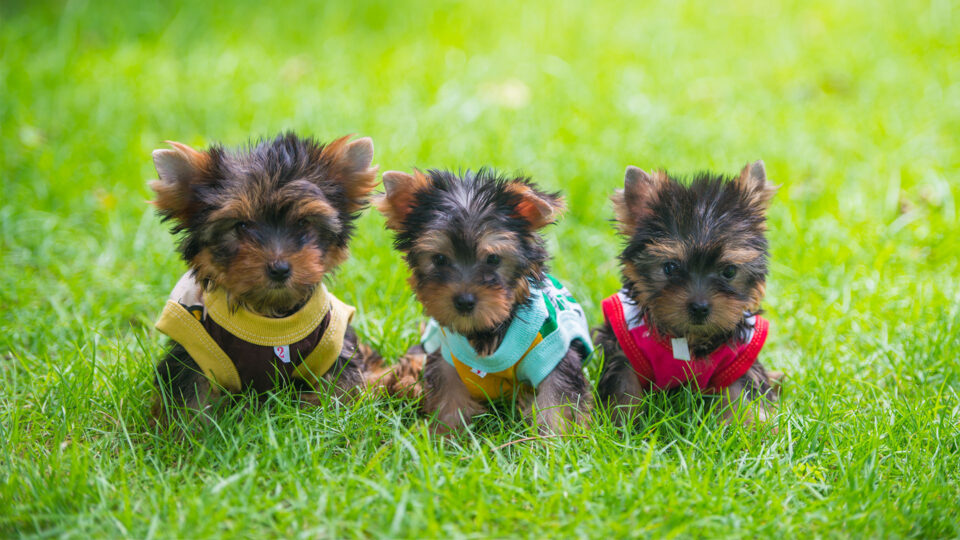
(448, 226)
(277, 162)
(617, 378)
(709, 216)
(462, 205)
(182, 381)
(681, 238)
(242, 214)
(569, 373)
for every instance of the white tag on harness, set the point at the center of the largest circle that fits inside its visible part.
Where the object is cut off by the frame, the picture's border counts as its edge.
(283, 353)
(680, 349)
(478, 372)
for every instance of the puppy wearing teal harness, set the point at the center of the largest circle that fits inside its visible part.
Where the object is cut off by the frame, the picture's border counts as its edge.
(539, 337)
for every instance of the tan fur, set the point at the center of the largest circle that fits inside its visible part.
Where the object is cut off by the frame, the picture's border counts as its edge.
(725, 312)
(397, 200)
(206, 268)
(178, 169)
(756, 297)
(521, 291)
(535, 208)
(753, 182)
(740, 255)
(632, 202)
(246, 278)
(433, 242)
(639, 290)
(670, 310)
(243, 207)
(503, 243)
(351, 166)
(401, 379)
(335, 256)
(292, 197)
(493, 305)
(449, 397)
(667, 250)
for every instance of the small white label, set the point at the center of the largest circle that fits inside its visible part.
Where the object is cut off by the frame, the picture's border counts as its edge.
(478, 372)
(680, 349)
(283, 353)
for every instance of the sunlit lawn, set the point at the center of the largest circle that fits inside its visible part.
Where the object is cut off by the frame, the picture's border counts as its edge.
(853, 106)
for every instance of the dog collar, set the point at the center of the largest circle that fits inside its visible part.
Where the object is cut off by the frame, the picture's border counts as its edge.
(268, 331)
(653, 356)
(536, 341)
(236, 348)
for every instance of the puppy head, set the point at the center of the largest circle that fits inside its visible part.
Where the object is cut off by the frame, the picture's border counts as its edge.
(266, 222)
(696, 256)
(471, 241)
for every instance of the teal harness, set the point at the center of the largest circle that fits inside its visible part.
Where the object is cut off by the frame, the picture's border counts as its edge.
(552, 313)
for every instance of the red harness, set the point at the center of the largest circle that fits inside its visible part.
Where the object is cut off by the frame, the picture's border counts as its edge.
(652, 355)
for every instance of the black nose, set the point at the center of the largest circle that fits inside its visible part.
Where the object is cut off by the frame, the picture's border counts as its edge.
(464, 302)
(278, 270)
(698, 310)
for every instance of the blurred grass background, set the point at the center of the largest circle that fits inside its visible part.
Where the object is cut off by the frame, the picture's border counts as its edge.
(854, 106)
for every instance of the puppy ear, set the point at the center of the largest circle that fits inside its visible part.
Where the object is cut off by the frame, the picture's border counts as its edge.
(632, 203)
(754, 184)
(180, 170)
(351, 166)
(538, 208)
(397, 198)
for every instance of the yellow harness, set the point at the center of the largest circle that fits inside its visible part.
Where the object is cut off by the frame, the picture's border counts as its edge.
(185, 327)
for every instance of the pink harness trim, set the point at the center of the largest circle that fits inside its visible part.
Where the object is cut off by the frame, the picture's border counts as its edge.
(652, 356)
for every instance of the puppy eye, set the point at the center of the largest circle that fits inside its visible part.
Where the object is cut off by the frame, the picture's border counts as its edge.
(440, 259)
(729, 271)
(670, 268)
(493, 259)
(241, 226)
(303, 223)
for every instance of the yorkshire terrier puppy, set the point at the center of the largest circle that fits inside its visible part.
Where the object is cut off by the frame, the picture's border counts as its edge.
(694, 273)
(259, 228)
(498, 322)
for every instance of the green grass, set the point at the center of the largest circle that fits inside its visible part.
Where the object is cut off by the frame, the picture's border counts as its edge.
(853, 106)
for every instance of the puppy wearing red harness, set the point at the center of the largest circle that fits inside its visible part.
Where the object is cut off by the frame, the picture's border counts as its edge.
(694, 274)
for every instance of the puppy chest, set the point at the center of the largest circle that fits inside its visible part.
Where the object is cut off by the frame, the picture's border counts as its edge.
(262, 367)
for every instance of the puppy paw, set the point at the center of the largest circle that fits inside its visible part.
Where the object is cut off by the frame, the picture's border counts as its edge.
(399, 380)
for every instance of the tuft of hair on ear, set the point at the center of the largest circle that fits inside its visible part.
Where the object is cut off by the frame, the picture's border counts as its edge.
(181, 169)
(538, 208)
(633, 202)
(350, 164)
(754, 185)
(399, 191)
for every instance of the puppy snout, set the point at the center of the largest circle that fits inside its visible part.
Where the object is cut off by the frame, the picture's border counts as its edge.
(698, 310)
(464, 302)
(278, 270)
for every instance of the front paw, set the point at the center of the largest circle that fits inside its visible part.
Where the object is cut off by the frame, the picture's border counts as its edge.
(403, 379)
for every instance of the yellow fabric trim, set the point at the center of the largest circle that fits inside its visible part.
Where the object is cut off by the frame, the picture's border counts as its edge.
(185, 329)
(318, 362)
(268, 331)
(493, 385)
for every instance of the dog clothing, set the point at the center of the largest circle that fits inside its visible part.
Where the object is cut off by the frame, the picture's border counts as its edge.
(665, 363)
(239, 349)
(537, 340)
